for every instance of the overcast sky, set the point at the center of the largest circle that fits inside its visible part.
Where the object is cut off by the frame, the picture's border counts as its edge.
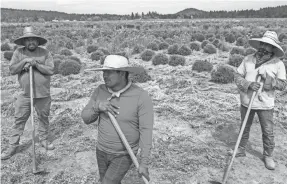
(128, 6)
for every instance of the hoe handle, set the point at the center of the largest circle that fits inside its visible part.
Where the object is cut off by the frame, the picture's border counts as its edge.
(121, 134)
(241, 131)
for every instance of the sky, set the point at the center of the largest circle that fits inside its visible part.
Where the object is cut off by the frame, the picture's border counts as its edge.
(122, 7)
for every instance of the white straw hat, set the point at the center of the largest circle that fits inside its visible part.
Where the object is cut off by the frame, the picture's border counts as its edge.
(119, 63)
(271, 38)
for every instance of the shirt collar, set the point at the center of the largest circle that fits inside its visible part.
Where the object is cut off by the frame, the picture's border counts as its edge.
(118, 93)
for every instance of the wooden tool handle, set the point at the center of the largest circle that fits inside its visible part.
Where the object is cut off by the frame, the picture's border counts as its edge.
(123, 138)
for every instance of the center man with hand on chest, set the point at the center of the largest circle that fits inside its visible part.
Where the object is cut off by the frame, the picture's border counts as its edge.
(132, 108)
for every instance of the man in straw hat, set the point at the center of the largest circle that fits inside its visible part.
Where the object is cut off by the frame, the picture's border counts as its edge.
(264, 62)
(42, 62)
(133, 109)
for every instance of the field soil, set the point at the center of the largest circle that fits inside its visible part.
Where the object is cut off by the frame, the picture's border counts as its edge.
(196, 124)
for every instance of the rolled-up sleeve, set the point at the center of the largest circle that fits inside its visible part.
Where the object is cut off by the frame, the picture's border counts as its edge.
(146, 122)
(239, 77)
(90, 113)
(280, 82)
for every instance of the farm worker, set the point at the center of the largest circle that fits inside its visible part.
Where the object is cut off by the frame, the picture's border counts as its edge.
(42, 62)
(264, 62)
(133, 109)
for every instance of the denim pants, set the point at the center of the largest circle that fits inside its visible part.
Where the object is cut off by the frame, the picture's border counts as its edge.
(22, 113)
(266, 122)
(112, 168)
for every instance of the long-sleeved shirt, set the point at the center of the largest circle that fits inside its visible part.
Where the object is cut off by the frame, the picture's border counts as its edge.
(135, 118)
(246, 74)
(41, 81)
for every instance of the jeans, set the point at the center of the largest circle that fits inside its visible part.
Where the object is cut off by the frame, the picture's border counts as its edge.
(22, 113)
(266, 122)
(112, 168)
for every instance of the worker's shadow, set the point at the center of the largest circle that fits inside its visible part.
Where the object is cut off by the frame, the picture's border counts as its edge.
(228, 133)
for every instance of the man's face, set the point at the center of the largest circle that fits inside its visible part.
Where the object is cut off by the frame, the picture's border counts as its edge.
(31, 43)
(266, 47)
(112, 78)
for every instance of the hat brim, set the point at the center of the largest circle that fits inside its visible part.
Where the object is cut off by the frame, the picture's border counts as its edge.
(255, 43)
(125, 69)
(20, 41)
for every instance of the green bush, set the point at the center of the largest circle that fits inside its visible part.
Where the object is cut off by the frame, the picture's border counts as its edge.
(184, 50)
(140, 77)
(202, 65)
(104, 50)
(169, 41)
(69, 67)
(92, 48)
(237, 50)
(57, 63)
(223, 46)
(241, 41)
(95, 56)
(195, 46)
(199, 37)
(230, 38)
(152, 46)
(173, 49)
(80, 43)
(216, 43)
(163, 46)
(69, 45)
(204, 43)
(147, 55)
(5, 47)
(210, 49)
(211, 39)
(8, 55)
(176, 60)
(249, 51)
(122, 53)
(138, 49)
(65, 52)
(282, 36)
(75, 59)
(235, 59)
(160, 59)
(222, 74)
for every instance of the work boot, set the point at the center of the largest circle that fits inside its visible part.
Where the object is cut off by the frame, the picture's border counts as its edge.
(240, 152)
(46, 145)
(269, 163)
(9, 152)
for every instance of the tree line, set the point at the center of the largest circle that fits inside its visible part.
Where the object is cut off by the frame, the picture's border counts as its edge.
(18, 15)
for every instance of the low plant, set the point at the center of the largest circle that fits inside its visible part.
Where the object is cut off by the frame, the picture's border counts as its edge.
(8, 55)
(202, 65)
(95, 56)
(147, 55)
(210, 49)
(152, 46)
(173, 49)
(163, 46)
(195, 46)
(235, 60)
(5, 47)
(66, 52)
(160, 59)
(176, 60)
(92, 48)
(184, 50)
(237, 50)
(69, 67)
(222, 74)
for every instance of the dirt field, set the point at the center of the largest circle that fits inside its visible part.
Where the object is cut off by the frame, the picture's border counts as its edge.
(196, 124)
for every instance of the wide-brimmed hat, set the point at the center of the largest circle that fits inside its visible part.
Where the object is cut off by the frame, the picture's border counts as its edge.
(271, 38)
(119, 63)
(28, 32)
